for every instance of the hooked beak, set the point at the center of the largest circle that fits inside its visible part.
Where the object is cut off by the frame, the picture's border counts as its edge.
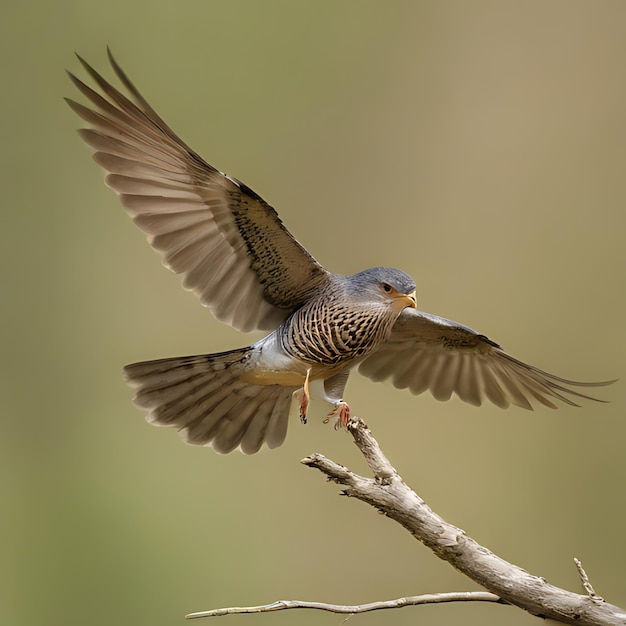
(410, 300)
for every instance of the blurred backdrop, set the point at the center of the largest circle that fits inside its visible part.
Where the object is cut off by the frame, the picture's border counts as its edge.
(480, 146)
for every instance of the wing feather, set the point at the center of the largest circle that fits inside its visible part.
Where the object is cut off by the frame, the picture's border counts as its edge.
(468, 386)
(429, 352)
(444, 379)
(209, 227)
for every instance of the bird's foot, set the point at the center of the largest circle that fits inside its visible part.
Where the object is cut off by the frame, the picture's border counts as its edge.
(303, 397)
(341, 413)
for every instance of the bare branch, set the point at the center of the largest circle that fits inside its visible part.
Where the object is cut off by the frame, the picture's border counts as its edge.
(280, 605)
(388, 493)
(505, 583)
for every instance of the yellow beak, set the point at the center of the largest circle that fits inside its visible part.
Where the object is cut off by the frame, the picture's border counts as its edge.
(410, 300)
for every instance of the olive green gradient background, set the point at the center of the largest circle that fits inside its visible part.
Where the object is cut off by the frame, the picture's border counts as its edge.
(480, 146)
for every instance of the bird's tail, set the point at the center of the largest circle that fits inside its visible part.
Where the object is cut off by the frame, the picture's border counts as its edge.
(205, 396)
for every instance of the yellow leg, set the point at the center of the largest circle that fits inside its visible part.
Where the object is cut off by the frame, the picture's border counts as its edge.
(303, 397)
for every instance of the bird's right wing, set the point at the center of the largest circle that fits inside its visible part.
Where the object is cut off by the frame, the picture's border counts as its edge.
(225, 240)
(429, 352)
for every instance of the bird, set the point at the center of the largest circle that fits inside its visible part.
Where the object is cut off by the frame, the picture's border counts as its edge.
(233, 251)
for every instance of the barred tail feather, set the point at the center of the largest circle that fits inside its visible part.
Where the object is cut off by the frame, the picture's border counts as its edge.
(205, 397)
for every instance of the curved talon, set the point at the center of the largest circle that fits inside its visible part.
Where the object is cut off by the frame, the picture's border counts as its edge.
(342, 414)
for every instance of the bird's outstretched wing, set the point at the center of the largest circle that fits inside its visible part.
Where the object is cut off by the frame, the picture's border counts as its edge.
(226, 241)
(429, 352)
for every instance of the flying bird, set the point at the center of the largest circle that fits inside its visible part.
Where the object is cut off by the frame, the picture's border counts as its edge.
(235, 254)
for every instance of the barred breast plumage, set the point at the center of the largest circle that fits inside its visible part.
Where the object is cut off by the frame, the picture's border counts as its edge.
(334, 329)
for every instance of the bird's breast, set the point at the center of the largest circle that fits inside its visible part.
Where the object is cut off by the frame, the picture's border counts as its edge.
(333, 334)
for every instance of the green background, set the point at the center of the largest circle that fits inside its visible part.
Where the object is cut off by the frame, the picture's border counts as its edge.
(480, 146)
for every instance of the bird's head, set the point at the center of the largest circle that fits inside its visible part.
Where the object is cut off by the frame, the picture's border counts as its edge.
(384, 285)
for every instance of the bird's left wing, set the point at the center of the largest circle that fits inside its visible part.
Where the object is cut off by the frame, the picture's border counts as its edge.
(429, 352)
(228, 244)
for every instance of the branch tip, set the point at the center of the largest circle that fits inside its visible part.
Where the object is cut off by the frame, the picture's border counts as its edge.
(584, 579)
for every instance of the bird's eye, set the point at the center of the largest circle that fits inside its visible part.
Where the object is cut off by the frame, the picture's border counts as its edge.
(387, 287)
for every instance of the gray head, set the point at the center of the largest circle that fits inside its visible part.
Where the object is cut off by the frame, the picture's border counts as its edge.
(383, 284)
